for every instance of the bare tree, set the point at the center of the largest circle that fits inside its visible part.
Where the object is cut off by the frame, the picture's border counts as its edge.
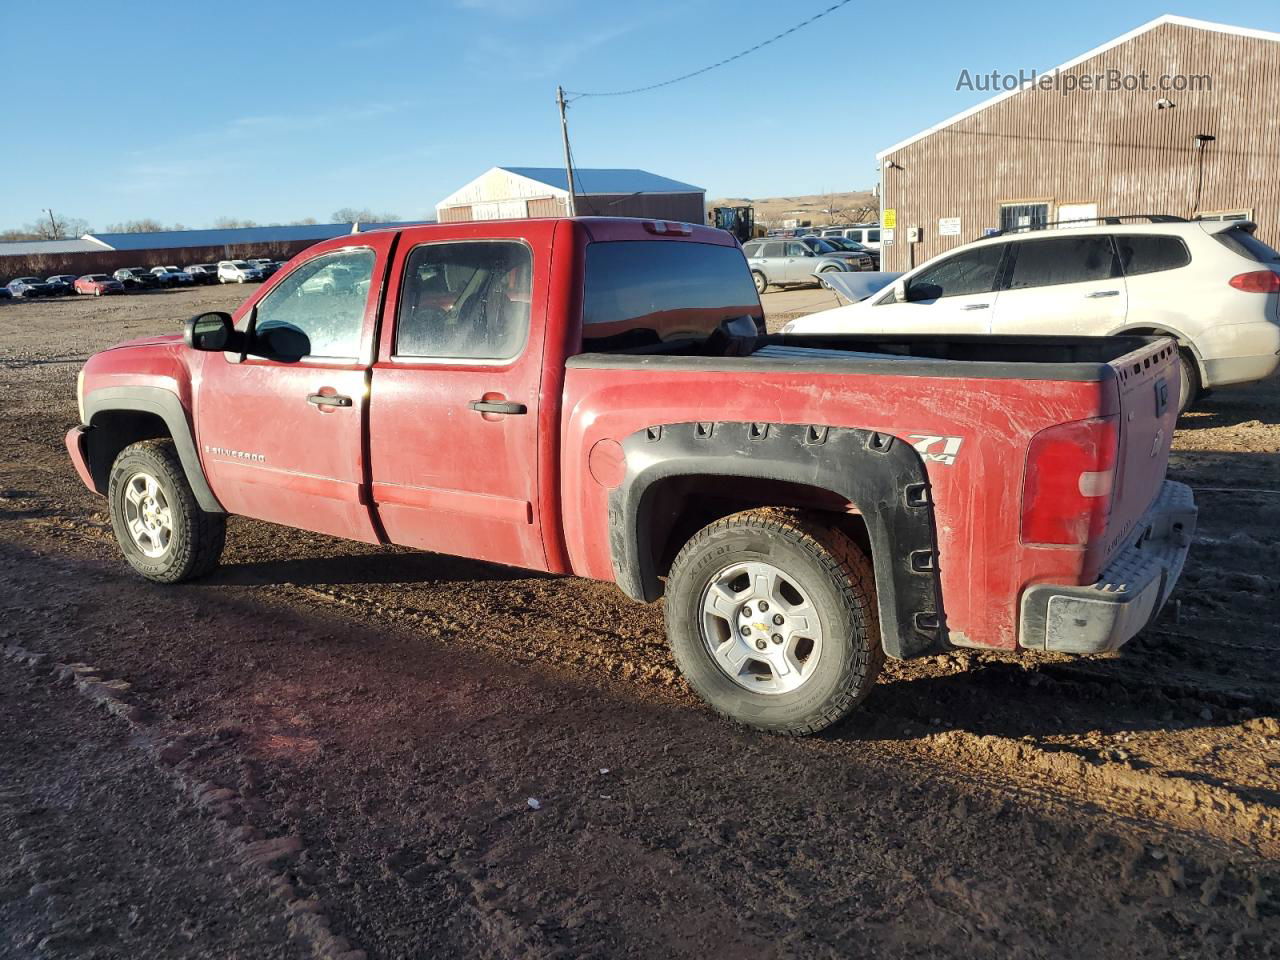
(362, 215)
(49, 227)
(145, 225)
(232, 223)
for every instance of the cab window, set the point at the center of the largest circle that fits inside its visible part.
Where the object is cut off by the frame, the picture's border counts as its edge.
(465, 301)
(318, 309)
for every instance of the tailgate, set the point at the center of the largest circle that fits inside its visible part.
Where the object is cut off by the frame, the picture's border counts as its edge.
(1148, 380)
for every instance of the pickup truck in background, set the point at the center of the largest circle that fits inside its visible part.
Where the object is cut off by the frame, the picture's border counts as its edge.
(597, 397)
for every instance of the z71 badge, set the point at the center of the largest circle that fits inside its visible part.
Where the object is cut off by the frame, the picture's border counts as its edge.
(936, 449)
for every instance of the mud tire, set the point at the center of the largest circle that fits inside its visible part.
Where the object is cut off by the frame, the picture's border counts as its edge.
(197, 537)
(838, 578)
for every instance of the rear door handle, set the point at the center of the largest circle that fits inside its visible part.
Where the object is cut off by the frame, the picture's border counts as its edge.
(497, 406)
(1103, 293)
(329, 400)
(976, 306)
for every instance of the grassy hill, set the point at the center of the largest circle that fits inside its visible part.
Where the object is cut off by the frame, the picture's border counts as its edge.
(850, 207)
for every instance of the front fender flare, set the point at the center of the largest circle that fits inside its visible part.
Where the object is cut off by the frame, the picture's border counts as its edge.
(168, 407)
(882, 475)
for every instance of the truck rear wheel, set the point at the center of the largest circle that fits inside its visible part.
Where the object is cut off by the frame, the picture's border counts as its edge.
(771, 618)
(161, 529)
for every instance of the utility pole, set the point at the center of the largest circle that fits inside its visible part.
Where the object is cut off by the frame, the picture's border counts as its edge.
(53, 226)
(568, 157)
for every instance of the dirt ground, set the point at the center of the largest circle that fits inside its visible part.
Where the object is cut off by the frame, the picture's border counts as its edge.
(330, 750)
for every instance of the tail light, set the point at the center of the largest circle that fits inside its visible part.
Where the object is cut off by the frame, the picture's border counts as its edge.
(1257, 281)
(1068, 484)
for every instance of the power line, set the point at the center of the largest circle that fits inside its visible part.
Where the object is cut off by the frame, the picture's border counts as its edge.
(737, 56)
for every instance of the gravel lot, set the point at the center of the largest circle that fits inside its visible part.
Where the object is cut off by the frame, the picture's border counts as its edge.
(377, 722)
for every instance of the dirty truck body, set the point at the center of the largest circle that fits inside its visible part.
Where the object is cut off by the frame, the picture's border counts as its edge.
(596, 397)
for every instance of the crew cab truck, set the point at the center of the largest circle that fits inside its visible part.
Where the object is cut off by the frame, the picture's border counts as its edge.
(597, 397)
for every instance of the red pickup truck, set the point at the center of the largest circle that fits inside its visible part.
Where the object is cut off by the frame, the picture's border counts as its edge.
(598, 397)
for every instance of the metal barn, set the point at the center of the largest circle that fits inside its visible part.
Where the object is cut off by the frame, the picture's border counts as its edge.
(1197, 137)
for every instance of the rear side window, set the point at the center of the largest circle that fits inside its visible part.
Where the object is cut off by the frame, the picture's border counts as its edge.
(1043, 263)
(1145, 254)
(642, 292)
(1241, 241)
(465, 301)
(772, 250)
(973, 271)
(752, 249)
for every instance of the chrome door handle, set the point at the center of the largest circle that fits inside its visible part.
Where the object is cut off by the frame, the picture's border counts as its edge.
(977, 306)
(497, 406)
(1103, 293)
(328, 400)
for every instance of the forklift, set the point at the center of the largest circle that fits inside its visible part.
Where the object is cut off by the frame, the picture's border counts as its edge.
(739, 221)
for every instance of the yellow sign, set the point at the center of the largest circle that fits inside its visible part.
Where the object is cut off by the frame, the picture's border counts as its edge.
(890, 219)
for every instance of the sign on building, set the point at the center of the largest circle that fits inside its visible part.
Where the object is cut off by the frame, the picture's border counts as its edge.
(890, 219)
(948, 226)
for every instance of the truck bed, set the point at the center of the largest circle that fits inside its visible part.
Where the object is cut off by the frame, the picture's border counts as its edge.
(969, 405)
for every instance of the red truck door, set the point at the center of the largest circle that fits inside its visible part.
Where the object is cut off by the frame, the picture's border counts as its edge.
(453, 417)
(280, 434)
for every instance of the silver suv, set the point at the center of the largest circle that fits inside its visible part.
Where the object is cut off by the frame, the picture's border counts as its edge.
(785, 262)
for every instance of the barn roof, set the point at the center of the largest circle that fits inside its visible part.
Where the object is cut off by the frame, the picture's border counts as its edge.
(1167, 18)
(604, 180)
(34, 248)
(232, 236)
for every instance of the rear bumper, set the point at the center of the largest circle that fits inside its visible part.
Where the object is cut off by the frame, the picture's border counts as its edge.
(76, 437)
(1131, 591)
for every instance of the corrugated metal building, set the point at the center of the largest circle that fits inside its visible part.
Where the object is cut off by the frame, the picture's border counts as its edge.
(1041, 154)
(502, 193)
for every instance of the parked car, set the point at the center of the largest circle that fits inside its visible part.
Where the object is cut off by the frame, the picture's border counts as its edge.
(265, 267)
(852, 246)
(791, 496)
(28, 288)
(203, 272)
(787, 262)
(137, 278)
(1212, 286)
(61, 284)
(823, 248)
(5, 294)
(237, 271)
(172, 277)
(98, 284)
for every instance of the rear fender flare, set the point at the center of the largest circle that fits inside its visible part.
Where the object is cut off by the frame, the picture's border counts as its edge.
(168, 407)
(880, 474)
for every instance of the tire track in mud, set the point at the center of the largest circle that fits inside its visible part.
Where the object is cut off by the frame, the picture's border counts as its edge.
(1153, 796)
(266, 858)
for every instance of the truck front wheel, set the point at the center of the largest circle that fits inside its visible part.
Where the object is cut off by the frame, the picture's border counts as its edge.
(161, 529)
(771, 618)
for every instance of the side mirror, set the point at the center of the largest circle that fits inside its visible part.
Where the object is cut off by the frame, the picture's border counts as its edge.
(900, 291)
(210, 331)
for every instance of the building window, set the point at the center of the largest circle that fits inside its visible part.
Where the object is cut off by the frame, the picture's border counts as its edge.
(1023, 216)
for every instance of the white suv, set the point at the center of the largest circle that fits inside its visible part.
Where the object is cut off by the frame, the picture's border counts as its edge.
(1213, 286)
(237, 271)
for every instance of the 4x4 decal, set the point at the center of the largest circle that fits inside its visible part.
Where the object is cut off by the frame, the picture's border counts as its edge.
(936, 449)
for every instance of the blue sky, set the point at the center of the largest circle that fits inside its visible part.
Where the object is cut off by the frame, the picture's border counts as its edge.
(278, 111)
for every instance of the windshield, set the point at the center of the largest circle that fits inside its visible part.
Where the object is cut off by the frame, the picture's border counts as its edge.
(239, 263)
(819, 246)
(642, 292)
